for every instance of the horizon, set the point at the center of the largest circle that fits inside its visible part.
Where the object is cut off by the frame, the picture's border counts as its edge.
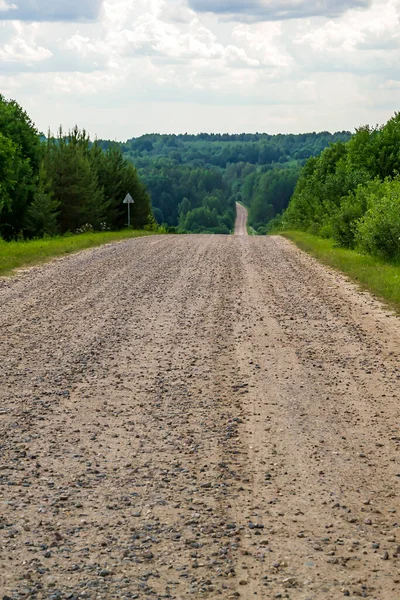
(210, 133)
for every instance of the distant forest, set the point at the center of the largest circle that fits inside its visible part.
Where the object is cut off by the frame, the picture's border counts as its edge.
(195, 180)
(68, 183)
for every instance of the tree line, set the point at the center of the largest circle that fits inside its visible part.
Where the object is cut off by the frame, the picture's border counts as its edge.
(64, 183)
(187, 183)
(351, 192)
(195, 180)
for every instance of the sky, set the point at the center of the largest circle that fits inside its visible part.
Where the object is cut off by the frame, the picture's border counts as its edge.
(122, 68)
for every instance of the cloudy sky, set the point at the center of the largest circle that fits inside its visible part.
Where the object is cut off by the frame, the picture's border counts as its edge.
(121, 68)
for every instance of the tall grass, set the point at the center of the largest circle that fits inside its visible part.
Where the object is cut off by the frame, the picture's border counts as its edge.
(14, 255)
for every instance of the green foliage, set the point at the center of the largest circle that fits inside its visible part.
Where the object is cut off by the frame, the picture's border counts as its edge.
(267, 194)
(215, 215)
(323, 183)
(274, 225)
(351, 192)
(378, 231)
(42, 214)
(116, 177)
(16, 125)
(351, 210)
(19, 159)
(193, 180)
(8, 171)
(64, 183)
(74, 181)
(141, 210)
(184, 172)
(220, 150)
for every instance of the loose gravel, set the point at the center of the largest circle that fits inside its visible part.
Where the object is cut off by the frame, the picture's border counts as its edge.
(197, 417)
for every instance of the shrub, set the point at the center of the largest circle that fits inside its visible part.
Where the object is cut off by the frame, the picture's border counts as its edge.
(274, 224)
(326, 231)
(378, 232)
(352, 208)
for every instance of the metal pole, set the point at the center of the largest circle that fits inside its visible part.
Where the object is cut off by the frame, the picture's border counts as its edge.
(129, 215)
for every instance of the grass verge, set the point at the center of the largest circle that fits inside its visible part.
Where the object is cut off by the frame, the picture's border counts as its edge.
(14, 255)
(379, 277)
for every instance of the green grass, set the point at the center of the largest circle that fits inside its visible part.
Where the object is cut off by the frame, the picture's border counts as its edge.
(14, 255)
(380, 278)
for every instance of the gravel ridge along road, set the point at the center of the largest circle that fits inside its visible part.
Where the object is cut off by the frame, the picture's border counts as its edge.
(197, 417)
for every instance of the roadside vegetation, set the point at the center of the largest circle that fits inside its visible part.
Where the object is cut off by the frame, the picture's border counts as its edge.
(351, 193)
(17, 254)
(59, 184)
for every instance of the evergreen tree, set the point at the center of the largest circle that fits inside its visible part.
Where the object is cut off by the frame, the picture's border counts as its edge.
(74, 182)
(42, 214)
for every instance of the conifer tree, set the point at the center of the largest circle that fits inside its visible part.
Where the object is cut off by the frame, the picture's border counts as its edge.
(74, 182)
(42, 214)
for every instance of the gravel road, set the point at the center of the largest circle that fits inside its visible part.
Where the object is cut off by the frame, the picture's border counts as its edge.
(241, 220)
(197, 417)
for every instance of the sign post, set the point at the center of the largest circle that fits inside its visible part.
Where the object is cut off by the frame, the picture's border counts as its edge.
(129, 200)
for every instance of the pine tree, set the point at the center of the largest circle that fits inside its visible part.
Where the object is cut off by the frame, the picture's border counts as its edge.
(74, 182)
(118, 177)
(42, 214)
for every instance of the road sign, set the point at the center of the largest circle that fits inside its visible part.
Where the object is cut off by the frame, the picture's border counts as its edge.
(129, 200)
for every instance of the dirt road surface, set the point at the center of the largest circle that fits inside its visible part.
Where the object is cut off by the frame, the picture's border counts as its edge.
(197, 417)
(241, 220)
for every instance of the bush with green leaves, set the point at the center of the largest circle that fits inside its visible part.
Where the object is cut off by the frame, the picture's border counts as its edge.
(351, 192)
(352, 208)
(378, 231)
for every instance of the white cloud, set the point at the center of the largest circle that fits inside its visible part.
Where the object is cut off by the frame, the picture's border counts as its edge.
(262, 41)
(20, 51)
(177, 12)
(156, 64)
(22, 47)
(332, 36)
(6, 6)
(375, 29)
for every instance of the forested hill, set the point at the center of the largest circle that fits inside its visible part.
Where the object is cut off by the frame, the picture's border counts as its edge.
(194, 180)
(190, 183)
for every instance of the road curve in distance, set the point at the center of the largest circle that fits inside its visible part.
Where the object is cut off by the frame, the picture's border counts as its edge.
(241, 220)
